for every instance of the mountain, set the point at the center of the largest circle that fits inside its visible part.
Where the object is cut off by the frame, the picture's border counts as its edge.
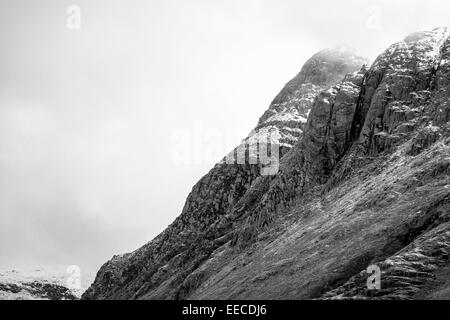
(363, 182)
(36, 284)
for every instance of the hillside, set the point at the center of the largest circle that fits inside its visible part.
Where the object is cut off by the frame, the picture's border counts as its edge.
(363, 180)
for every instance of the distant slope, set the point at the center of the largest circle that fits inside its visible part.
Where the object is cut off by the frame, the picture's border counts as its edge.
(37, 284)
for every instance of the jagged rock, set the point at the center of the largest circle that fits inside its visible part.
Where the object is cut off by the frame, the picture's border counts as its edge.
(424, 138)
(366, 176)
(393, 84)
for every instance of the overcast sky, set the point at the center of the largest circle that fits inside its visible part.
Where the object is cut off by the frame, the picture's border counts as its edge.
(92, 120)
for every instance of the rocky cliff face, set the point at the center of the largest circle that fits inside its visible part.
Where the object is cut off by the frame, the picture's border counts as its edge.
(289, 110)
(365, 181)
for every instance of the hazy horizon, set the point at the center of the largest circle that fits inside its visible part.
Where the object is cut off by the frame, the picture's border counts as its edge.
(89, 118)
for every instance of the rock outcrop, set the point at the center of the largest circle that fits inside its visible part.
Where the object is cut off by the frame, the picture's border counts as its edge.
(366, 181)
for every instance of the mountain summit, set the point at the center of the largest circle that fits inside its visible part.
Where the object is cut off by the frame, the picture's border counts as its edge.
(363, 182)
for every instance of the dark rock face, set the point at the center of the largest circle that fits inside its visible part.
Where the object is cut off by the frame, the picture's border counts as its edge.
(366, 181)
(399, 84)
(309, 164)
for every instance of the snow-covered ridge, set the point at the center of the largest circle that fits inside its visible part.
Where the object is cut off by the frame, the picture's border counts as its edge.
(290, 109)
(45, 283)
(422, 47)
